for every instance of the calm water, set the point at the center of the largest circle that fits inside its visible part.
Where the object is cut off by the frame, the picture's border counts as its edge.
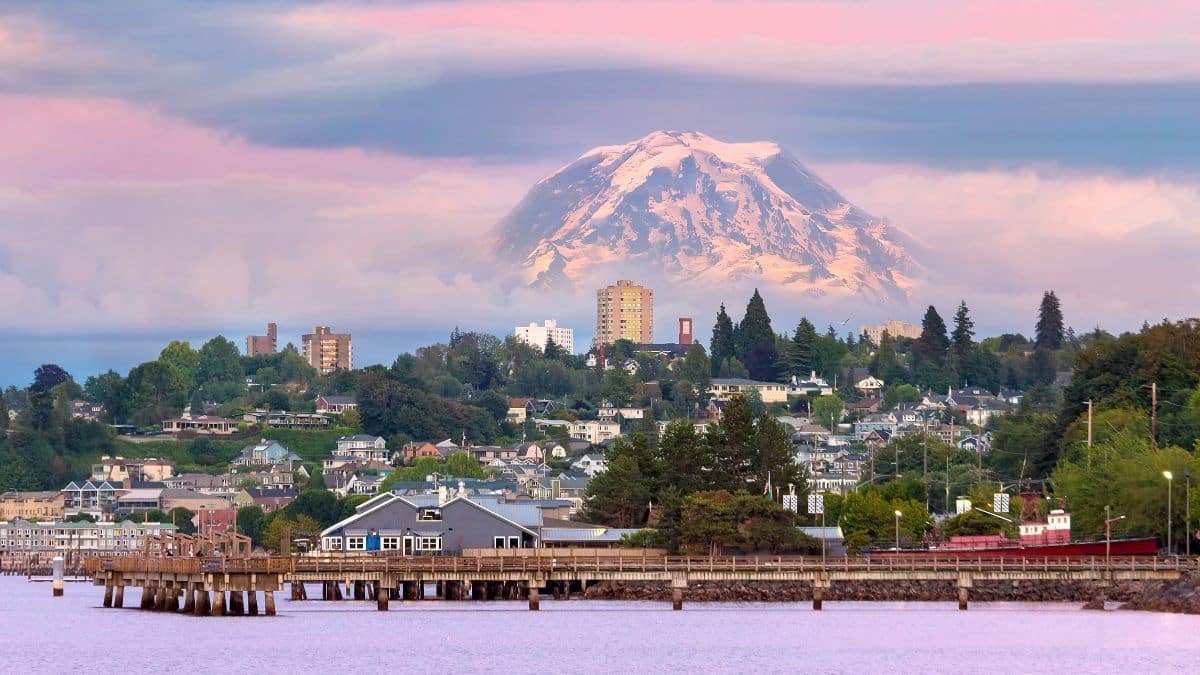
(41, 634)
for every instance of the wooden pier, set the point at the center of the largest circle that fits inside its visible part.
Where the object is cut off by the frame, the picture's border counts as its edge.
(230, 586)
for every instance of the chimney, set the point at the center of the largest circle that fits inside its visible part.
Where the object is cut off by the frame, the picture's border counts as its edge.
(442, 495)
(685, 330)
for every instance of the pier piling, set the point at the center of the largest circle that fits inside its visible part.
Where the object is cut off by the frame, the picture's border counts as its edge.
(218, 603)
(269, 601)
(119, 599)
(252, 603)
(108, 593)
(533, 596)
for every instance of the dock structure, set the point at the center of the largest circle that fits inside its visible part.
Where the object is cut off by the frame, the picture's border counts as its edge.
(229, 586)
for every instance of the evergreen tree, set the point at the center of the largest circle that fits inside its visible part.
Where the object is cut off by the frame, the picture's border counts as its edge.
(3, 413)
(933, 344)
(731, 442)
(196, 403)
(799, 358)
(755, 340)
(884, 364)
(696, 367)
(721, 347)
(964, 332)
(551, 350)
(685, 457)
(1050, 323)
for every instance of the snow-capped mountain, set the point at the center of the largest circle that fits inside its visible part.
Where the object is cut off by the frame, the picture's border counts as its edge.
(704, 211)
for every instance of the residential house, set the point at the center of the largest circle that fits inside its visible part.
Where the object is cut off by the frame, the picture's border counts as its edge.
(283, 419)
(726, 388)
(869, 404)
(810, 386)
(335, 404)
(869, 385)
(82, 410)
(264, 453)
(518, 411)
(119, 469)
(271, 499)
(595, 431)
(550, 427)
(203, 425)
(412, 451)
(590, 465)
(434, 525)
(610, 412)
(983, 411)
(875, 422)
(877, 438)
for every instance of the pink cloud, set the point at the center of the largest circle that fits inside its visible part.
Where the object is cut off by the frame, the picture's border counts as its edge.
(883, 23)
(50, 140)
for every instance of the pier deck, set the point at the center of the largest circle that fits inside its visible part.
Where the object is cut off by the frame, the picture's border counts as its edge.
(165, 580)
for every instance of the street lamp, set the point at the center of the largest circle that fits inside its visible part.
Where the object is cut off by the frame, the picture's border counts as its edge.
(898, 514)
(1108, 534)
(1170, 481)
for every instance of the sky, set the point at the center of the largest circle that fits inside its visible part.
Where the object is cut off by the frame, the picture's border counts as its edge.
(193, 168)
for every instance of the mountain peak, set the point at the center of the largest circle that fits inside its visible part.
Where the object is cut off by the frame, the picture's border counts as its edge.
(708, 210)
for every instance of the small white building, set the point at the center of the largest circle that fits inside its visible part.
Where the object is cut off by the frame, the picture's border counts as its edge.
(591, 465)
(536, 336)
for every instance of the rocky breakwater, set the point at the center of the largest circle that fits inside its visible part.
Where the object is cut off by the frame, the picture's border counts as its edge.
(1180, 596)
(1131, 593)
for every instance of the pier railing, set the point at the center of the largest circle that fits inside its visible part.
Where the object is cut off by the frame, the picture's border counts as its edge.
(547, 562)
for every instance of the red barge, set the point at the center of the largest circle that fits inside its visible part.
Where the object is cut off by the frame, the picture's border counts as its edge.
(1048, 537)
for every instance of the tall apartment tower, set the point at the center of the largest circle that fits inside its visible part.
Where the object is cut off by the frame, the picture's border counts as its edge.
(685, 330)
(263, 344)
(328, 351)
(624, 311)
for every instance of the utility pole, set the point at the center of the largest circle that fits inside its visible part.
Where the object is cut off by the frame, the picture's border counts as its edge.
(925, 461)
(1154, 416)
(1089, 441)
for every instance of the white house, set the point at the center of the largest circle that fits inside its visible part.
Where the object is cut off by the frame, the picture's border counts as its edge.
(723, 389)
(609, 412)
(591, 464)
(362, 447)
(595, 431)
(869, 385)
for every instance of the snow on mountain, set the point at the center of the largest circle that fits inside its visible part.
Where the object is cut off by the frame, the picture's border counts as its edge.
(704, 211)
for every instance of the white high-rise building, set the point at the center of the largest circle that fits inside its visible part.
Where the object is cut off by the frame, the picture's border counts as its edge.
(536, 335)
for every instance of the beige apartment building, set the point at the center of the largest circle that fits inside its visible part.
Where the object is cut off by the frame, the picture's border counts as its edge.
(32, 505)
(263, 344)
(328, 351)
(896, 329)
(624, 310)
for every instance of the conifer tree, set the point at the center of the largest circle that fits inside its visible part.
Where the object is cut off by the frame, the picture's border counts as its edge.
(933, 344)
(964, 332)
(1050, 323)
(721, 347)
(755, 340)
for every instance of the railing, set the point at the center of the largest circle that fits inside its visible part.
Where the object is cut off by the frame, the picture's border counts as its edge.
(546, 563)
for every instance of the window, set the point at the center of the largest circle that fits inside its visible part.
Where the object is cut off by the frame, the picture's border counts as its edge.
(514, 542)
(429, 513)
(429, 543)
(498, 542)
(333, 543)
(390, 543)
(356, 543)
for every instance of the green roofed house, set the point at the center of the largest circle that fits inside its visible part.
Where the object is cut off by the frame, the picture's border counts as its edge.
(266, 453)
